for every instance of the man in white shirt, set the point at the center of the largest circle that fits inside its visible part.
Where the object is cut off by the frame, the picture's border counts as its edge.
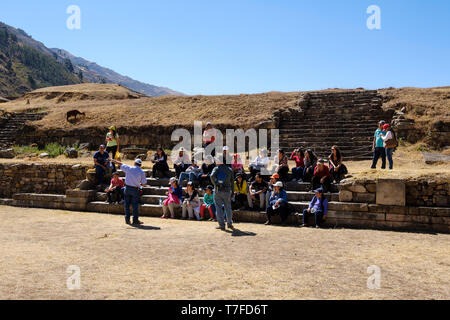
(182, 162)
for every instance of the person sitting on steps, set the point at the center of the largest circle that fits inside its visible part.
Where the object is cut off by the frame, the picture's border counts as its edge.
(182, 162)
(208, 204)
(298, 156)
(310, 163)
(160, 166)
(114, 193)
(174, 199)
(241, 197)
(207, 168)
(261, 162)
(273, 180)
(318, 208)
(278, 204)
(337, 169)
(191, 205)
(101, 160)
(322, 177)
(192, 173)
(258, 191)
(283, 165)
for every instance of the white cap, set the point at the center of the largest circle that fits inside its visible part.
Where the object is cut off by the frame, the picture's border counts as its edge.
(226, 148)
(138, 161)
(279, 184)
(172, 180)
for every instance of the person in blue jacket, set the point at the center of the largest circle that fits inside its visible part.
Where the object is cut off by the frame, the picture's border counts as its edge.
(278, 204)
(317, 208)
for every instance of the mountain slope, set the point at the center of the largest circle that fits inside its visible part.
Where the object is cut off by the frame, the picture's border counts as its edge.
(92, 72)
(23, 67)
(53, 67)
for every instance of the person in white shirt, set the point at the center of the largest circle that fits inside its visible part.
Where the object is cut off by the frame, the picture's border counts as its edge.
(260, 162)
(387, 139)
(209, 138)
(182, 162)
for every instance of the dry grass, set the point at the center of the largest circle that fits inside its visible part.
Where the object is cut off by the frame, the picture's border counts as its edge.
(110, 107)
(191, 260)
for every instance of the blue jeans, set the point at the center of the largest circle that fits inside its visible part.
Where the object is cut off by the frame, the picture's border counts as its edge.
(191, 176)
(297, 173)
(132, 197)
(379, 152)
(318, 217)
(389, 152)
(223, 199)
(100, 173)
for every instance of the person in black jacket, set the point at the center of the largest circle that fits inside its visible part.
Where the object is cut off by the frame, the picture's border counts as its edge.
(160, 166)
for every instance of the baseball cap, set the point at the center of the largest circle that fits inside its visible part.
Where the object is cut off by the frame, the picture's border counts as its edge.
(275, 176)
(320, 190)
(138, 161)
(387, 125)
(279, 184)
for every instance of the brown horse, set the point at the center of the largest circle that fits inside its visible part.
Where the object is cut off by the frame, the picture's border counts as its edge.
(74, 114)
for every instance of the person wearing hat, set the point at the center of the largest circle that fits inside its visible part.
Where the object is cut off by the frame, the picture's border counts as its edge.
(241, 198)
(101, 160)
(112, 142)
(317, 208)
(208, 204)
(174, 199)
(191, 174)
(261, 162)
(114, 192)
(227, 158)
(278, 204)
(181, 162)
(390, 143)
(378, 146)
(322, 176)
(222, 179)
(134, 178)
(209, 138)
(273, 180)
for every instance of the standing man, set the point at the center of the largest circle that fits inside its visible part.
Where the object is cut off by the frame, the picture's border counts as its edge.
(378, 146)
(209, 137)
(222, 179)
(101, 158)
(134, 179)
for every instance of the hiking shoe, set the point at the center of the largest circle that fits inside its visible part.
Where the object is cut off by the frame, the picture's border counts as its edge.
(127, 221)
(137, 223)
(268, 223)
(231, 227)
(220, 228)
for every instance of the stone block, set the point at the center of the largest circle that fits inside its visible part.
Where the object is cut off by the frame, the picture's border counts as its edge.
(345, 196)
(391, 192)
(358, 188)
(364, 197)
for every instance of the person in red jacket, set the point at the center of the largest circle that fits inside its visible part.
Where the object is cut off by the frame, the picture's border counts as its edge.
(298, 156)
(322, 176)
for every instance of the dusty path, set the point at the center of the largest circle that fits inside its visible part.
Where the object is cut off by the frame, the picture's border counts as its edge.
(191, 260)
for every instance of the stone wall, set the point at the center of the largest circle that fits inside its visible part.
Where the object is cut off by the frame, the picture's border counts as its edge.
(431, 193)
(39, 178)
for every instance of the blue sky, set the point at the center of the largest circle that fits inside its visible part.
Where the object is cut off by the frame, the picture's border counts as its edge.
(249, 46)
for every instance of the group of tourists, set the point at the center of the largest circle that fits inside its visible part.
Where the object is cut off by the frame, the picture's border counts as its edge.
(224, 183)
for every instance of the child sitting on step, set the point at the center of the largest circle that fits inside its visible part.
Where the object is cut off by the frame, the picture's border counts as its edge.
(174, 199)
(208, 204)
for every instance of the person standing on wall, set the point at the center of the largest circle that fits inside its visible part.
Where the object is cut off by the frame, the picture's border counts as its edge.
(112, 143)
(222, 179)
(378, 147)
(134, 178)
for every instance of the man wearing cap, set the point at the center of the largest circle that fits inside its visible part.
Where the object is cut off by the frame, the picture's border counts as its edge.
(209, 138)
(222, 179)
(322, 176)
(227, 158)
(273, 180)
(134, 178)
(278, 204)
(182, 162)
(378, 146)
(101, 159)
(317, 208)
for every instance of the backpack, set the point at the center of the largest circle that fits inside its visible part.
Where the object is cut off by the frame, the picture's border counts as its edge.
(392, 143)
(221, 179)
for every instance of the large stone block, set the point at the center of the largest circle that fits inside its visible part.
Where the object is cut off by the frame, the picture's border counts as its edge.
(391, 192)
(345, 196)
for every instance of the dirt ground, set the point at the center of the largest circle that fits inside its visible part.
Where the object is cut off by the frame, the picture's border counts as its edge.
(192, 260)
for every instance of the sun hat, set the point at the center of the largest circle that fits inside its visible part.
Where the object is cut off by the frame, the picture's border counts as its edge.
(112, 128)
(320, 190)
(181, 149)
(226, 148)
(382, 122)
(172, 180)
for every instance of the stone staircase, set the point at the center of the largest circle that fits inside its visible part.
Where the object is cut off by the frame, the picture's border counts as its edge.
(347, 119)
(12, 126)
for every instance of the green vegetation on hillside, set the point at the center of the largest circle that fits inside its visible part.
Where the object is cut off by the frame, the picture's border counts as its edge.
(23, 68)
